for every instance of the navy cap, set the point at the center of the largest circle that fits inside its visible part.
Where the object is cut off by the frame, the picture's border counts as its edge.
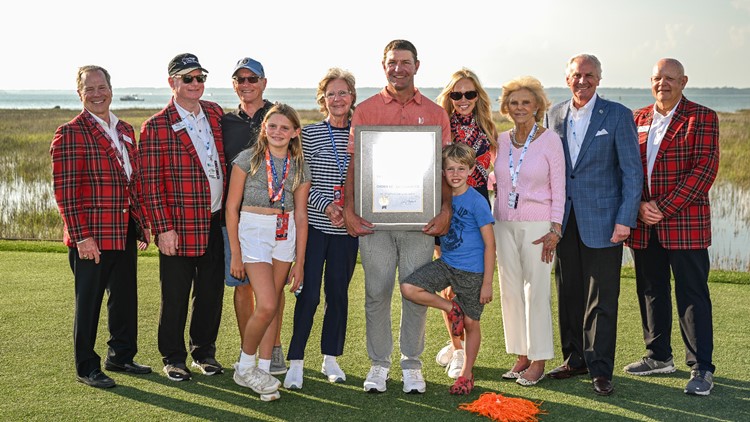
(182, 64)
(251, 65)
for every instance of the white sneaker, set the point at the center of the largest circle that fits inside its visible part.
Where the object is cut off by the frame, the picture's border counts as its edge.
(413, 381)
(256, 379)
(293, 379)
(376, 378)
(445, 354)
(456, 365)
(332, 370)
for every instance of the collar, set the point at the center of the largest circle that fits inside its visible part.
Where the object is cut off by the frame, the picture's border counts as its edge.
(184, 113)
(586, 109)
(113, 120)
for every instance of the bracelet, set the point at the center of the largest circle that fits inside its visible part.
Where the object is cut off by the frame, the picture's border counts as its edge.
(557, 232)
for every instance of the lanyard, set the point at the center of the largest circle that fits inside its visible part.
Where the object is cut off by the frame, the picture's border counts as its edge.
(275, 195)
(206, 138)
(514, 175)
(118, 152)
(336, 153)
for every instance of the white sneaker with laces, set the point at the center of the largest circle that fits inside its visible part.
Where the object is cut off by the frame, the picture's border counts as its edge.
(456, 365)
(293, 379)
(256, 379)
(376, 378)
(332, 370)
(445, 354)
(413, 381)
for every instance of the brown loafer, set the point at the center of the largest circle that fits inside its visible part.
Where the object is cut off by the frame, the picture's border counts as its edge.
(564, 372)
(602, 386)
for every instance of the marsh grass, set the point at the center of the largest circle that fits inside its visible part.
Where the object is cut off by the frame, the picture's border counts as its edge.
(25, 136)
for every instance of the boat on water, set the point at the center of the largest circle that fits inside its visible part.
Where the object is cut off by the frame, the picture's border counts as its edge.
(131, 97)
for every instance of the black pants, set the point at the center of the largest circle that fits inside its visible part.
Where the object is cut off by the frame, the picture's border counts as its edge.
(338, 255)
(588, 288)
(690, 268)
(116, 273)
(205, 276)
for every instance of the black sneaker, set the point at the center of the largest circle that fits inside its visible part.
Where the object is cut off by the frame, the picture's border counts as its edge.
(97, 379)
(208, 366)
(177, 372)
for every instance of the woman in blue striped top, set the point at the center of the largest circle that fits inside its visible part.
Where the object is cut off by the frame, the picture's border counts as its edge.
(328, 244)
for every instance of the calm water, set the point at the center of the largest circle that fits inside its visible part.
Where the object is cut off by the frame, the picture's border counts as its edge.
(719, 99)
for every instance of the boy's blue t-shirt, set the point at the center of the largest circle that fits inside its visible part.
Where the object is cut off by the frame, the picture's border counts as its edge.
(463, 246)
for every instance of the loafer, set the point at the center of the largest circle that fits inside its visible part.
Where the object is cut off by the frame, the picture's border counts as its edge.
(602, 386)
(97, 379)
(512, 375)
(528, 383)
(130, 367)
(564, 372)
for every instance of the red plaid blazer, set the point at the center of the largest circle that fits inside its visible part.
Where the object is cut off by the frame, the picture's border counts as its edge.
(92, 190)
(175, 187)
(685, 168)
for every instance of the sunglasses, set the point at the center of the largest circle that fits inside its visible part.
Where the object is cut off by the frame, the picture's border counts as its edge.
(188, 79)
(242, 80)
(470, 95)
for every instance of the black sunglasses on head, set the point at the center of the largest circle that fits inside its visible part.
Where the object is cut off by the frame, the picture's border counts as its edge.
(470, 95)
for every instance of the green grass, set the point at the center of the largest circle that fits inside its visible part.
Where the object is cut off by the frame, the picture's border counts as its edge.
(37, 376)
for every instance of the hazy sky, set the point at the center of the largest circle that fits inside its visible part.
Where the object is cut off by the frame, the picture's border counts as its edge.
(298, 40)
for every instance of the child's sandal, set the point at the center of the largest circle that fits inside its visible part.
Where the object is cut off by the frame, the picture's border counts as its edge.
(462, 386)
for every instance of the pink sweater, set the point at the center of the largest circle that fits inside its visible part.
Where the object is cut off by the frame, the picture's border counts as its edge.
(541, 180)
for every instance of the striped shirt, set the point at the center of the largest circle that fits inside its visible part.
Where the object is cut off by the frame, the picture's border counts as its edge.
(321, 159)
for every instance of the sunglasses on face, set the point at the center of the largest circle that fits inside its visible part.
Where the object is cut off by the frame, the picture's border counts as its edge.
(188, 79)
(470, 95)
(251, 79)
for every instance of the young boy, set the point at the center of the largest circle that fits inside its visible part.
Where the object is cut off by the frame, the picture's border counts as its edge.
(460, 267)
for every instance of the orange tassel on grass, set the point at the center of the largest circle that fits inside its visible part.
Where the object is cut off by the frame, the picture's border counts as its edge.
(504, 409)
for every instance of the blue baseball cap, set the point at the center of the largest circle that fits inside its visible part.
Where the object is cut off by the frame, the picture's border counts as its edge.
(251, 65)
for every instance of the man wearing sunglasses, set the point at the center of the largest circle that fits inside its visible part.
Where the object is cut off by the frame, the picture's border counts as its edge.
(240, 129)
(182, 158)
(383, 251)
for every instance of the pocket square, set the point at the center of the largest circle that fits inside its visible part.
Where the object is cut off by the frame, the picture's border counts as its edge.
(602, 132)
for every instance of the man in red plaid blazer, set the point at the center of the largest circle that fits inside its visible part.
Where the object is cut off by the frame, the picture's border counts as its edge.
(95, 173)
(679, 142)
(182, 158)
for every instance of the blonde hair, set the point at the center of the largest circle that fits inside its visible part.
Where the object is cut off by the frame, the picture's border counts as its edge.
(459, 153)
(483, 108)
(333, 74)
(258, 158)
(531, 84)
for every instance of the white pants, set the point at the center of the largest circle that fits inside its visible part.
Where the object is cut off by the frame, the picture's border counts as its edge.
(525, 287)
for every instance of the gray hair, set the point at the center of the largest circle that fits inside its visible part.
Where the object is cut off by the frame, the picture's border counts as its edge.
(585, 57)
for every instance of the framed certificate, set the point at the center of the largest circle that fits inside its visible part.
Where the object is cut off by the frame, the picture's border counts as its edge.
(397, 175)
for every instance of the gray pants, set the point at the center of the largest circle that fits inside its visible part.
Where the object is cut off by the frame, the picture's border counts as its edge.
(381, 253)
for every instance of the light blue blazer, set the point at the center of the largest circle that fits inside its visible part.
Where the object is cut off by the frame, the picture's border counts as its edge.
(605, 185)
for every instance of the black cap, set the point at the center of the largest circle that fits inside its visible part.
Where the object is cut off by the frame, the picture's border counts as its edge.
(182, 64)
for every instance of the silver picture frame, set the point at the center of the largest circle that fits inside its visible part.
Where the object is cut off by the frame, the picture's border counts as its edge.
(398, 175)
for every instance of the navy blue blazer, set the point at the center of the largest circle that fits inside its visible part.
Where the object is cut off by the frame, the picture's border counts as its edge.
(605, 185)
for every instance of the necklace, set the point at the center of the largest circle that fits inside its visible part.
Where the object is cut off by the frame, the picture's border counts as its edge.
(513, 138)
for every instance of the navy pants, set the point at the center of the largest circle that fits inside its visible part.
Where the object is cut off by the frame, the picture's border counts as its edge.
(335, 256)
(690, 268)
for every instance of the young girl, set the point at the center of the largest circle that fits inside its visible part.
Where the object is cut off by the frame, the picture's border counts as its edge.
(270, 182)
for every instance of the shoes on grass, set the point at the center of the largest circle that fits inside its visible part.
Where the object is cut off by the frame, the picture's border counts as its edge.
(648, 366)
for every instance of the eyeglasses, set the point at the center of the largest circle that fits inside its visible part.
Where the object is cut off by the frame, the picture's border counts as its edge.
(470, 95)
(251, 79)
(340, 94)
(188, 79)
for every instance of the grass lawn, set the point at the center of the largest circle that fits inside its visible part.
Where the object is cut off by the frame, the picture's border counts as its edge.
(37, 376)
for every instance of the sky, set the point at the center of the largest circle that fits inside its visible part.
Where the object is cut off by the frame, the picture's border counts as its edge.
(43, 44)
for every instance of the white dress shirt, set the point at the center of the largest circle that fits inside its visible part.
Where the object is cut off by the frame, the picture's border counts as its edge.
(578, 124)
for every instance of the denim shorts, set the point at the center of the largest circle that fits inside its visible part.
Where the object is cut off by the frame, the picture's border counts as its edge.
(229, 279)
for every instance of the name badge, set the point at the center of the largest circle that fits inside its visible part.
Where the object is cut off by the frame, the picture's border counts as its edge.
(643, 128)
(178, 126)
(282, 226)
(127, 139)
(338, 195)
(513, 200)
